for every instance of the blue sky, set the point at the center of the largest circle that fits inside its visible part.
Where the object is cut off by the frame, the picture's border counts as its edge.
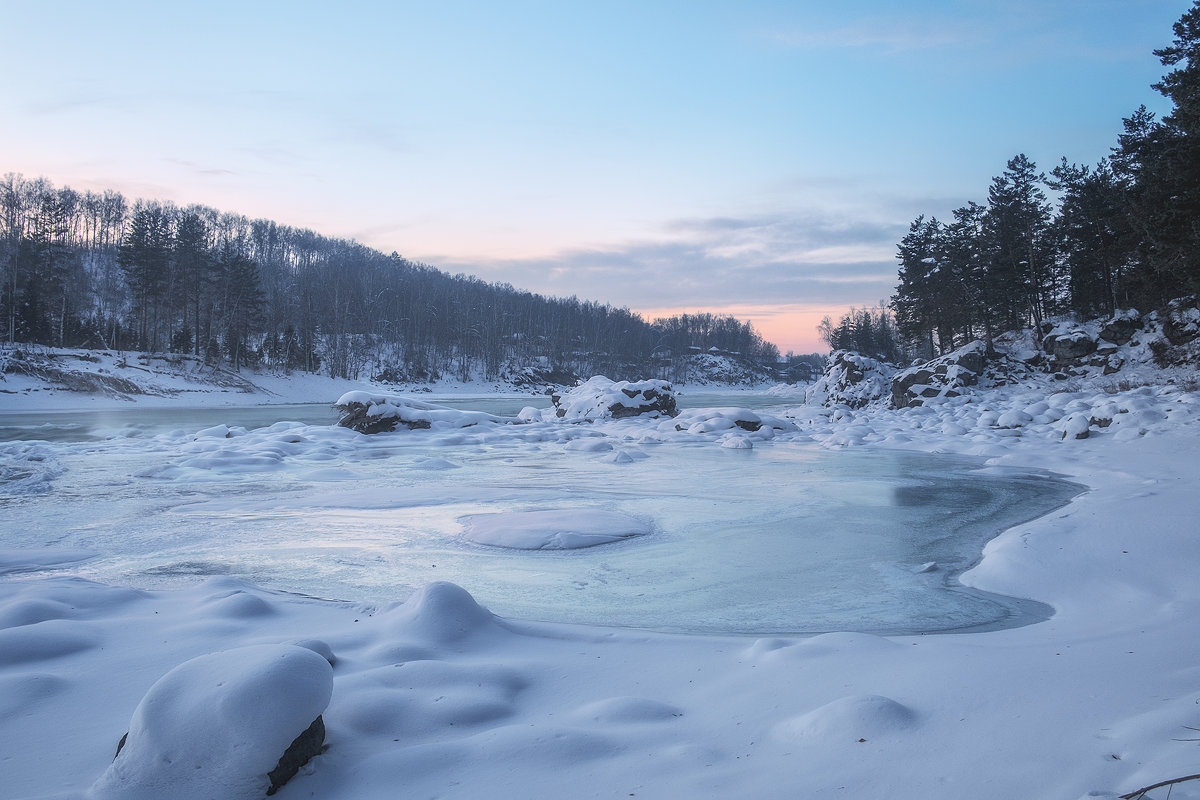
(757, 158)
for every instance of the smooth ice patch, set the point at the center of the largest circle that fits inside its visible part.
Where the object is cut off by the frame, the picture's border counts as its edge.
(554, 529)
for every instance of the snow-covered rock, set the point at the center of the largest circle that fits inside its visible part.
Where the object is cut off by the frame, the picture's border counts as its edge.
(600, 398)
(851, 379)
(219, 725)
(727, 419)
(374, 413)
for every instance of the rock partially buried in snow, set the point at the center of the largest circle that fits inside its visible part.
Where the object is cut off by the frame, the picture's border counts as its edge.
(371, 413)
(556, 529)
(233, 724)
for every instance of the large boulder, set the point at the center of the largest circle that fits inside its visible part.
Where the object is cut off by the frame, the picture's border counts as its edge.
(600, 398)
(954, 374)
(1068, 345)
(1121, 327)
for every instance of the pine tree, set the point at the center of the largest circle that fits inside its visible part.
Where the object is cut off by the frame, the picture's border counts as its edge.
(144, 255)
(1018, 225)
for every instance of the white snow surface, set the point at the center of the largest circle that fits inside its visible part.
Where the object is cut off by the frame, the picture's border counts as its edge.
(433, 696)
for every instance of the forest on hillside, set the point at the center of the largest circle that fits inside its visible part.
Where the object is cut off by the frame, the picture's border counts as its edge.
(1122, 234)
(96, 270)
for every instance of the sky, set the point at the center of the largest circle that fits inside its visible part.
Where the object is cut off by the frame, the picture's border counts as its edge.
(755, 158)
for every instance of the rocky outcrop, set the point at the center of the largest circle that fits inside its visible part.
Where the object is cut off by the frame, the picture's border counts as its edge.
(945, 376)
(1181, 321)
(953, 374)
(851, 380)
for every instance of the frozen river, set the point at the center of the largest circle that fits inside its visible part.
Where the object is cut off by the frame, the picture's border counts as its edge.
(784, 538)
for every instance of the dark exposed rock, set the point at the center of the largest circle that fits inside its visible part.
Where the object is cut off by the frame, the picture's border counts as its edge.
(357, 416)
(1120, 329)
(299, 752)
(1069, 346)
(1181, 322)
(945, 376)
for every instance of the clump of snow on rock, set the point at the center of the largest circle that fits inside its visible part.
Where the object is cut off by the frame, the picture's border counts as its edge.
(217, 725)
(599, 398)
(374, 413)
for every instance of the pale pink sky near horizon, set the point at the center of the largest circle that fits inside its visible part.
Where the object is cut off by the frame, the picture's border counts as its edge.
(761, 159)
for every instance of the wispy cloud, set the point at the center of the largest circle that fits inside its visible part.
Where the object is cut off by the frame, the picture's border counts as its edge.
(888, 34)
(715, 262)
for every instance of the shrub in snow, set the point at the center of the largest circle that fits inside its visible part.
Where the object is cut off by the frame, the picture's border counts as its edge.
(851, 379)
(601, 398)
(228, 725)
(372, 413)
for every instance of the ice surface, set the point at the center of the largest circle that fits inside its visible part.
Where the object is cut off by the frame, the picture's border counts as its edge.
(695, 526)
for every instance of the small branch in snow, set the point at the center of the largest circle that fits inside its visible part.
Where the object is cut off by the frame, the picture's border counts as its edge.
(1140, 793)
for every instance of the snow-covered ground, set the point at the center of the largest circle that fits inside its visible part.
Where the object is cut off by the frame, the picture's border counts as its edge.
(433, 696)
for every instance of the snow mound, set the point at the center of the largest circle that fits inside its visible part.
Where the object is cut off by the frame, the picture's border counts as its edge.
(375, 413)
(628, 710)
(849, 719)
(557, 529)
(216, 726)
(439, 612)
(601, 398)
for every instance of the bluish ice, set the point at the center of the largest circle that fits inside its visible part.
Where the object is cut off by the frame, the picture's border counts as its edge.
(787, 538)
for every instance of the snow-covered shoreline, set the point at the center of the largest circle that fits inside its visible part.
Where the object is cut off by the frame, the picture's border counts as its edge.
(429, 700)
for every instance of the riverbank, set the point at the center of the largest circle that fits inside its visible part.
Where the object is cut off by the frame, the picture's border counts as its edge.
(433, 697)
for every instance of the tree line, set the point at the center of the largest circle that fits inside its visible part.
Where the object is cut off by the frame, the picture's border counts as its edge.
(1124, 233)
(96, 270)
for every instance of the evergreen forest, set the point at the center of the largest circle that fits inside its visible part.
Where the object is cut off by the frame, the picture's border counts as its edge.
(1124, 233)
